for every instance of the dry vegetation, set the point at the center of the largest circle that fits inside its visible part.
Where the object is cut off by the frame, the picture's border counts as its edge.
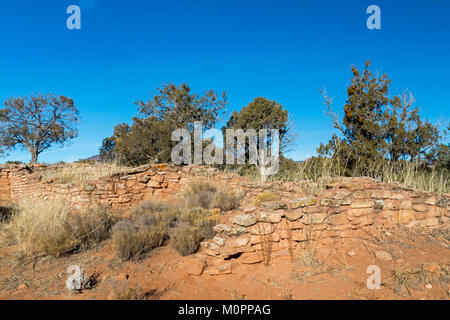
(202, 194)
(265, 196)
(416, 176)
(52, 228)
(134, 294)
(80, 172)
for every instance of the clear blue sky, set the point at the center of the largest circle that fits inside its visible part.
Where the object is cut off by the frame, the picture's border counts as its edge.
(282, 50)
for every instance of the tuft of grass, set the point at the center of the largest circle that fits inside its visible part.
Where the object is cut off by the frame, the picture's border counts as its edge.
(359, 292)
(227, 201)
(406, 278)
(91, 226)
(134, 294)
(193, 227)
(202, 220)
(266, 196)
(132, 240)
(202, 194)
(199, 194)
(52, 228)
(185, 238)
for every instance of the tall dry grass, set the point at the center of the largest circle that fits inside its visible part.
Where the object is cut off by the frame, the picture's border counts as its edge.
(51, 228)
(403, 172)
(416, 176)
(80, 172)
(203, 194)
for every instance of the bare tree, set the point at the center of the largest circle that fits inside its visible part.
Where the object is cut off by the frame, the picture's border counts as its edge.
(37, 122)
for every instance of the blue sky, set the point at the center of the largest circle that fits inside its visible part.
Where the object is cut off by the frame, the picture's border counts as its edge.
(282, 50)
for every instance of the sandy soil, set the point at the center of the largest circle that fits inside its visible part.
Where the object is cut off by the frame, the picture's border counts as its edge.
(419, 262)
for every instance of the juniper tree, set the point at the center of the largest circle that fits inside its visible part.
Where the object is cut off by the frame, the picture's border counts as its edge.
(37, 122)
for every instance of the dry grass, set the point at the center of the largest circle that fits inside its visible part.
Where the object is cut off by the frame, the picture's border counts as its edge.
(202, 194)
(131, 240)
(134, 294)
(227, 200)
(403, 172)
(199, 194)
(265, 196)
(360, 292)
(202, 220)
(185, 238)
(145, 229)
(193, 226)
(77, 173)
(152, 222)
(404, 278)
(52, 228)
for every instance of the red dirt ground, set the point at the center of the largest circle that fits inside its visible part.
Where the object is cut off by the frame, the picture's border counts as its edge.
(337, 275)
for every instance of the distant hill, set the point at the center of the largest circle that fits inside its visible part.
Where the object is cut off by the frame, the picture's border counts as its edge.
(93, 158)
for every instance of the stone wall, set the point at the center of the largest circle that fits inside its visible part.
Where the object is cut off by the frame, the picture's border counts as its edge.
(322, 212)
(126, 188)
(5, 192)
(121, 189)
(340, 207)
(348, 208)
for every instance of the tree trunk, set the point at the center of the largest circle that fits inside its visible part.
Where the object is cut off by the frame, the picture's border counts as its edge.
(34, 157)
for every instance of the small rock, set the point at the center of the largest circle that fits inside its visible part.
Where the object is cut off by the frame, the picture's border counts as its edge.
(249, 209)
(351, 253)
(194, 266)
(219, 270)
(236, 231)
(250, 258)
(237, 242)
(229, 230)
(272, 217)
(429, 286)
(222, 228)
(293, 215)
(262, 229)
(210, 252)
(302, 202)
(383, 255)
(209, 245)
(219, 241)
(273, 205)
(245, 220)
(379, 204)
(22, 286)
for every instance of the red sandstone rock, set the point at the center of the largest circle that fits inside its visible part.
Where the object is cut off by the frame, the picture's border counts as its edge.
(251, 258)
